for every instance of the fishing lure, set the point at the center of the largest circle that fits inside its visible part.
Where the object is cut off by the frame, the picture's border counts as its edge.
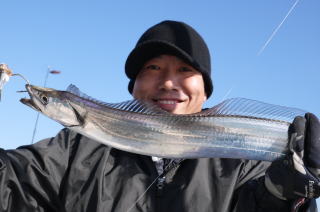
(5, 74)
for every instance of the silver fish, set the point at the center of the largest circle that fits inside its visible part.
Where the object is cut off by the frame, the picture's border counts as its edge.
(235, 128)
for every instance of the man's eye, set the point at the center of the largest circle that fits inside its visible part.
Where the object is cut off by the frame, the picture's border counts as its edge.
(152, 67)
(185, 69)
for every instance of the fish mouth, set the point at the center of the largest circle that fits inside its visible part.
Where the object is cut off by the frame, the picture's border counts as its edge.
(29, 102)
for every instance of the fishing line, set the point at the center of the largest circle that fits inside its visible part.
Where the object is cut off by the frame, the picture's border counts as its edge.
(143, 193)
(148, 188)
(44, 85)
(22, 77)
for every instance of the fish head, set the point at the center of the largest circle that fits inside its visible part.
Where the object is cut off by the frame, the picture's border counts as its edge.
(52, 103)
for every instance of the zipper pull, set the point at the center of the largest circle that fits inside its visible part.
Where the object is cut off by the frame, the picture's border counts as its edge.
(160, 185)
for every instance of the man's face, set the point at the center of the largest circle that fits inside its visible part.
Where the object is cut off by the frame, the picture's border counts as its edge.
(171, 84)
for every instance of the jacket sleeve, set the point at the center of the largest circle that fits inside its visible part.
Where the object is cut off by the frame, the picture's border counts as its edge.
(253, 196)
(30, 176)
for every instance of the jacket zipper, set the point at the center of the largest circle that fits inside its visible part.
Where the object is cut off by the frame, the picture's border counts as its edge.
(162, 178)
(160, 184)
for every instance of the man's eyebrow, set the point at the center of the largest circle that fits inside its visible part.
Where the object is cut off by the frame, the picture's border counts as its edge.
(157, 57)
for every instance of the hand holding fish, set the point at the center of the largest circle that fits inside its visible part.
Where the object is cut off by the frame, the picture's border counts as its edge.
(298, 175)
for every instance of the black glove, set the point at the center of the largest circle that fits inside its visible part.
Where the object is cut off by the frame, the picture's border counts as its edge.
(298, 174)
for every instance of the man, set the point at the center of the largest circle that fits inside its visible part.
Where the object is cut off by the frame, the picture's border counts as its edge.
(172, 84)
(169, 67)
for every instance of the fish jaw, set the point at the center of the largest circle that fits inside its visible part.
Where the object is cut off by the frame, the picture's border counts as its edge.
(30, 103)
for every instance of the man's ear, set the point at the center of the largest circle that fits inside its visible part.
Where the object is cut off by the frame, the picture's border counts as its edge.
(205, 98)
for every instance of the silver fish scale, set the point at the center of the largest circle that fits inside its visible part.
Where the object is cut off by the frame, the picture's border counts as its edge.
(189, 137)
(236, 128)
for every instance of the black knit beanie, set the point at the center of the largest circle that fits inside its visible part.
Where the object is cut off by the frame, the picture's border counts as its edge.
(173, 38)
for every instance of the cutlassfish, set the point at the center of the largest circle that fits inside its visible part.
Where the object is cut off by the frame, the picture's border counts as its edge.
(235, 128)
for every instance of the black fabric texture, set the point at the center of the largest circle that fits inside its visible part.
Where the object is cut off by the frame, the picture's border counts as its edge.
(293, 184)
(312, 141)
(73, 173)
(309, 206)
(174, 38)
(291, 176)
(254, 197)
(297, 129)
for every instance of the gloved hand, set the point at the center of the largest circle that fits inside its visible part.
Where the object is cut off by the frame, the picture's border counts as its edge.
(298, 174)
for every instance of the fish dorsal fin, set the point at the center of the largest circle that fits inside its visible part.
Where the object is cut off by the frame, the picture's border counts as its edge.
(253, 108)
(136, 106)
(74, 90)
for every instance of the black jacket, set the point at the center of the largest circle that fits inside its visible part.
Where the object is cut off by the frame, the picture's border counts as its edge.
(73, 173)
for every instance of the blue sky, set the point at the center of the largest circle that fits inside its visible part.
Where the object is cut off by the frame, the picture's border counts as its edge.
(88, 41)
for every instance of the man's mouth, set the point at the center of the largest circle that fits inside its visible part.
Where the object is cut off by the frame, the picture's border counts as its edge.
(167, 104)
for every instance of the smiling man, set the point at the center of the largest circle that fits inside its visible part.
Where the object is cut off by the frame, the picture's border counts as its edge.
(172, 84)
(169, 67)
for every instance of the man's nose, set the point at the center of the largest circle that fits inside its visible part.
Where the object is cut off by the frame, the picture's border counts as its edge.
(168, 81)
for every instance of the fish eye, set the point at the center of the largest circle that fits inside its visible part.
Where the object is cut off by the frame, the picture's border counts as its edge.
(44, 99)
